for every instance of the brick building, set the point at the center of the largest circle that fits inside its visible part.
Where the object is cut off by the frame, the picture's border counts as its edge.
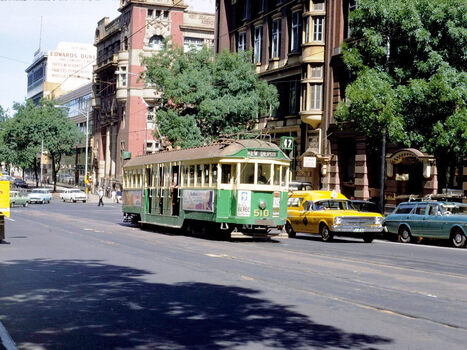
(124, 108)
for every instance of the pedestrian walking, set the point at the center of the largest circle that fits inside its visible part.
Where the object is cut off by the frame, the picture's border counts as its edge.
(114, 196)
(101, 196)
(119, 196)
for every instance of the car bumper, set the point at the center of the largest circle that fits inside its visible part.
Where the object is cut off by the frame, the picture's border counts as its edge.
(348, 228)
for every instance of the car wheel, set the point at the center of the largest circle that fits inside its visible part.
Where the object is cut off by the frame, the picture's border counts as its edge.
(43, 201)
(458, 238)
(368, 238)
(404, 235)
(63, 199)
(74, 200)
(25, 204)
(84, 201)
(326, 234)
(289, 229)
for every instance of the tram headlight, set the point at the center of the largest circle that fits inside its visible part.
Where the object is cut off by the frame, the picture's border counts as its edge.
(262, 204)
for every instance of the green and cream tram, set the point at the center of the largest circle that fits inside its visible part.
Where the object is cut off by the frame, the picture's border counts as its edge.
(234, 184)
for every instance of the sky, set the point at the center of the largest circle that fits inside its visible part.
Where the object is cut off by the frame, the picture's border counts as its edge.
(63, 20)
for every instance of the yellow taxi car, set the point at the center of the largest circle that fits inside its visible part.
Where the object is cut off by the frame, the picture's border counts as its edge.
(329, 214)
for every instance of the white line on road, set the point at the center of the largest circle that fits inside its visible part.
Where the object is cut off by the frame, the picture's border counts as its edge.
(10, 219)
(6, 340)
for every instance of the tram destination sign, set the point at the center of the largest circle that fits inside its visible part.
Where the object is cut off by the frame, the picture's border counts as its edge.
(261, 153)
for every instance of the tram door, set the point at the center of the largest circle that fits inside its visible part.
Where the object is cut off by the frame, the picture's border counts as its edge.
(174, 190)
(149, 190)
(161, 190)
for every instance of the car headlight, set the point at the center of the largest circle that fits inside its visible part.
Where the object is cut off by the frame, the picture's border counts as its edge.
(378, 220)
(337, 220)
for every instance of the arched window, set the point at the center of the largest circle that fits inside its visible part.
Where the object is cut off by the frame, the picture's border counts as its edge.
(156, 42)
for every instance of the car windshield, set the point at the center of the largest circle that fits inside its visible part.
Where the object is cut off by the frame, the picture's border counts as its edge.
(455, 209)
(333, 204)
(75, 191)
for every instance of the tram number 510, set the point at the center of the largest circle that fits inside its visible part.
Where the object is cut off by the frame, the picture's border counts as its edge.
(260, 212)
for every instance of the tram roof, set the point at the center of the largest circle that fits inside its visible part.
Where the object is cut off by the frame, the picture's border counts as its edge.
(216, 150)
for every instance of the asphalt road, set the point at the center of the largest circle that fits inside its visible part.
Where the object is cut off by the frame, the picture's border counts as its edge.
(75, 277)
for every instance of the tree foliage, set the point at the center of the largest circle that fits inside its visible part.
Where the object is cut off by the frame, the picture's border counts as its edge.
(205, 95)
(23, 134)
(408, 60)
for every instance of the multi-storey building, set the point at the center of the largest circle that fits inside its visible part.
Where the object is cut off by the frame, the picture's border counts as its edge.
(78, 107)
(287, 41)
(124, 108)
(57, 72)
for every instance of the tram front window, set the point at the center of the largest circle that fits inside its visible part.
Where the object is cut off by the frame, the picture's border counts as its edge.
(264, 174)
(247, 173)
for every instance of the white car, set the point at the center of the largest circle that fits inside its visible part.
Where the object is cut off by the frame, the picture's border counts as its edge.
(40, 195)
(73, 195)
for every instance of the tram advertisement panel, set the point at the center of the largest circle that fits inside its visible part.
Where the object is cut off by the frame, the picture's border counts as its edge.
(198, 200)
(244, 203)
(132, 198)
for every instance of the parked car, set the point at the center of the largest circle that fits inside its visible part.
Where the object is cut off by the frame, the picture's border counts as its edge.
(365, 206)
(439, 220)
(73, 195)
(40, 195)
(20, 183)
(329, 214)
(300, 186)
(19, 198)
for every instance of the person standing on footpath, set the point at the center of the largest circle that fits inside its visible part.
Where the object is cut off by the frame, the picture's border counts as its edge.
(101, 195)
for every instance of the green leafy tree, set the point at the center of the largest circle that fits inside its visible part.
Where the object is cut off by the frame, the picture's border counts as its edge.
(23, 135)
(60, 134)
(205, 96)
(408, 61)
(20, 138)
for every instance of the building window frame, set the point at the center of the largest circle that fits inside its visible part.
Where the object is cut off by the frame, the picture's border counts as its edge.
(258, 43)
(275, 38)
(296, 28)
(318, 29)
(316, 96)
(241, 42)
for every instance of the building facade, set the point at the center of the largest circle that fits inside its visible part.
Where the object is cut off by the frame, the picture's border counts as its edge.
(78, 107)
(287, 41)
(124, 108)
(57, 72)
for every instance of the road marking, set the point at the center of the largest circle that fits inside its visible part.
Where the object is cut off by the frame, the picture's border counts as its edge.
(10, 219)
(421, 245)
(6, 340)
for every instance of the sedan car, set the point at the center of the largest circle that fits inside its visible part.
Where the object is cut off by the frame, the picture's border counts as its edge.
(73, 195)
(40, 195)
(440, 220)
(20, 183)
(329, 214)
(18, 198)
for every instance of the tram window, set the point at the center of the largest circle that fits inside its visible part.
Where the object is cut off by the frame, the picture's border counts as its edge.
(226, 173)
(185, 176)
(264, 174)
(192, 176)
(206, 174)
(214, 174)
(199, 175)
(247, 173)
